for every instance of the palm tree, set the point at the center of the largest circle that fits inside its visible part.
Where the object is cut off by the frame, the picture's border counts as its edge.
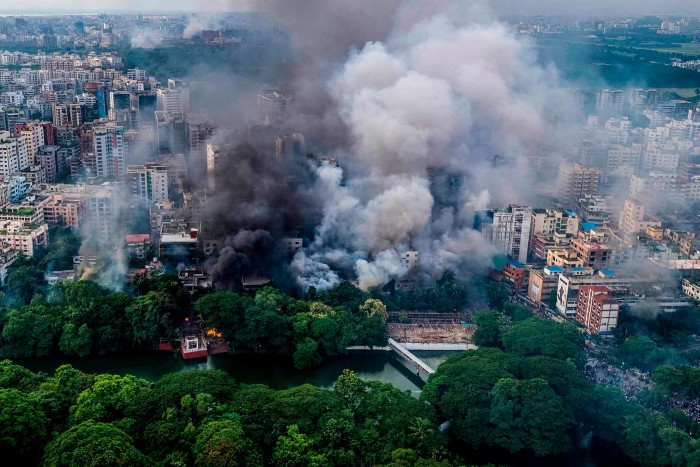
(421, 429)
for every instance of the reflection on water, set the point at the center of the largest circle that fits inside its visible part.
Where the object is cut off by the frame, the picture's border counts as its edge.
(272, 370)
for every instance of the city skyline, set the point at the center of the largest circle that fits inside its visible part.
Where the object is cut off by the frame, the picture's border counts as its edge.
(501, 7)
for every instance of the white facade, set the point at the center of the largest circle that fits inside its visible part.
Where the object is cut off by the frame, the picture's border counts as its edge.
(13, 154)
(109, 151)
(173, 100)
(149, 182)
(691, 289)
(507, 229)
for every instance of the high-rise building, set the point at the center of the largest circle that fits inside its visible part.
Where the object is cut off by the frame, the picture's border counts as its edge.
(610, 99)
(136, 74)
(67, 115)
(170, 133)
(109, 151)
(102, 212)
(507, 229)
(644, 98)
(632, 219)
(597, 309)
(70, 208)
(273, 106)
(24, 237)
(575, 181)
(148, 103)
(214, 153)
(119, 105)
(47, 158)
(551, 221)
(541, 283)
(13, 154)
(656, 190)
(198, 130)
(551, 229)
(148, 182)
(34, 137)
(289, 145)
(173, 101)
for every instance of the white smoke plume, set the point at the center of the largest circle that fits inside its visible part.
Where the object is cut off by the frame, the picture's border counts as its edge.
(385, 266)
(312, 273)
(142, 38)
(432, 108)
(201, 22)
(457, 92)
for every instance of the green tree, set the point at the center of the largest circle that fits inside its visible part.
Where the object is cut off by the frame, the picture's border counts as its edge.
(94, 444)
(607, 412)
(295, 449)
(488, 329)
(516, 312)
(150, 317)
(460, 390)
(650, 439)
(350, 388)
(75, 341)
(17, 377)
(537, 336)
(23, 281)
(225, 311)
(29, 332)
(108, 398)
(637, 350)
(22, 424)
(562, 376)
(223, 443)
(344, 294)
(527, 414)
(497, 295)
(169, 391)
(64, 245)
(374, 308)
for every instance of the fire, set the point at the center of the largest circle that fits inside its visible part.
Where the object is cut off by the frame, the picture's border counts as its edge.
(213, 332)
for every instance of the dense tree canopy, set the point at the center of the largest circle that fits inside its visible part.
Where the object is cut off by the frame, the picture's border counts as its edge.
(94, 444)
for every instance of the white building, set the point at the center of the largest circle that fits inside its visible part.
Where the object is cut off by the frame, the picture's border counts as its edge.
(632, 219)
(13, 154)
(610, 99)
(109, 151)
(691, 289)
(148, 182)
(102, 212)
(173, 101)
(507, 229)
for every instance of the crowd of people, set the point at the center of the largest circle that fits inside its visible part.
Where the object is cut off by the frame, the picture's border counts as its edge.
(690, 407)
(631, 381)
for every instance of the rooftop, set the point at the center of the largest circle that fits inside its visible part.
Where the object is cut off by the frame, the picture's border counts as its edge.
(137, 238)
(554, 269)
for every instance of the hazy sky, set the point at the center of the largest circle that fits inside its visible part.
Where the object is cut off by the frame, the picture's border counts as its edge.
(501, 6)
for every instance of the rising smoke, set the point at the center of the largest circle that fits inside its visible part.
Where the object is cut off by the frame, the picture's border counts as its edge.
(433, 109)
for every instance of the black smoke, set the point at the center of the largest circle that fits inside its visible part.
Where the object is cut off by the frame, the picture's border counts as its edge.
(259, 200)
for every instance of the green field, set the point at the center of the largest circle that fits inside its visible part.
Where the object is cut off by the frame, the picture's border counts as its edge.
(684, 49)
(684, 93)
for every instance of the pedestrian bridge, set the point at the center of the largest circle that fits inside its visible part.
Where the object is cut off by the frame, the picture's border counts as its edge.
(422, 368)
(403, 349)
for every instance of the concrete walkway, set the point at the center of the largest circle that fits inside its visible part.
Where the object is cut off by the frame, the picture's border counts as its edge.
(404, 352)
